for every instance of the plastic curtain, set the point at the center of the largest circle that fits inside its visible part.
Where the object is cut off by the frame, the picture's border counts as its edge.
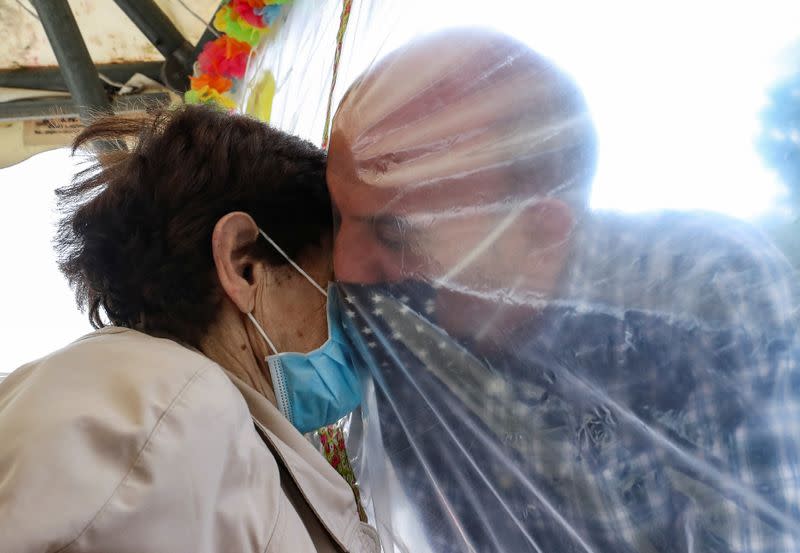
(569, 286)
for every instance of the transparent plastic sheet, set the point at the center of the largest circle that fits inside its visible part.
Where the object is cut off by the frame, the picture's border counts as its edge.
(549, 365)
(298, 57)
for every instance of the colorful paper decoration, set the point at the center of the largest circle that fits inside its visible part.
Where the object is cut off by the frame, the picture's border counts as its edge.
(222, 63)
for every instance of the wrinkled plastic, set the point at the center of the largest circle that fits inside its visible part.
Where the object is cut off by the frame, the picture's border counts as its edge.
(541, 374)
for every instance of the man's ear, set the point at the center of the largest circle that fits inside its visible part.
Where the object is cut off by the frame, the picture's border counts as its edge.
(547, 228)
(548, 223)
(229, 245)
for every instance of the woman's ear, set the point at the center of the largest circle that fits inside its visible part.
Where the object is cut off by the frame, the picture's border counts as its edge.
(234, 264)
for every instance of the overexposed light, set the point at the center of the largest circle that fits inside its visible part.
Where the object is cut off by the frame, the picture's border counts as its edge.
(39, 312)
(678, 116)
(675, 88)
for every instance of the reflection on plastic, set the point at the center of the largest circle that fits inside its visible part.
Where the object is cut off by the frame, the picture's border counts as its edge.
(540, 376)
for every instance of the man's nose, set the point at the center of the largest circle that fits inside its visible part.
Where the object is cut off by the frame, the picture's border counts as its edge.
(359, 258)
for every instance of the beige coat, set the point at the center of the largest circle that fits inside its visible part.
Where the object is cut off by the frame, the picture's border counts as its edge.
(125, 443)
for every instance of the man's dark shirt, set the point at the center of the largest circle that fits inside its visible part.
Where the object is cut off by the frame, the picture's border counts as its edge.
(652, 407)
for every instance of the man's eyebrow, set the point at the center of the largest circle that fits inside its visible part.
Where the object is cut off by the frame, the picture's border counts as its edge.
(364, 218)
(427, 217)
(379, 218)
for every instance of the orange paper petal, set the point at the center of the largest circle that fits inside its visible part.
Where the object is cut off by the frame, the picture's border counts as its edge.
(217, 82)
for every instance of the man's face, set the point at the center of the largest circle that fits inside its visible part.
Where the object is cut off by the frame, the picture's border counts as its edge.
(467, 237)
(431, 233)
(435, 165)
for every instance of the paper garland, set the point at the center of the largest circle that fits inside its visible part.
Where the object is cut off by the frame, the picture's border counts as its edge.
(223, 61)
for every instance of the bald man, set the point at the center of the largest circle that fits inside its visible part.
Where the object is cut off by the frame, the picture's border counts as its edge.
(660, 346)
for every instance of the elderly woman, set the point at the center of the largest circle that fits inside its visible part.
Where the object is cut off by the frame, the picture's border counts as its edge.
(202, 253)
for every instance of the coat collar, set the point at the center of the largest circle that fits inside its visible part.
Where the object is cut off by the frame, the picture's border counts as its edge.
(325, 491)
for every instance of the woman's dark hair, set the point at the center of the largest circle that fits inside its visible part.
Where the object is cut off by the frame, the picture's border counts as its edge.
(135, 238)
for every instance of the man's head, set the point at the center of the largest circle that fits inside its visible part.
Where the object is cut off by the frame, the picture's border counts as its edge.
(462, 159)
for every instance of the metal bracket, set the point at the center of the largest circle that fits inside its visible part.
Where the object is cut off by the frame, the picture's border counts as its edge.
(167, 39)
(74, 61)
(38, 108)
(50, 78)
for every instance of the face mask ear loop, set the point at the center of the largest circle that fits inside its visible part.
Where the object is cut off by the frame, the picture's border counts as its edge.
(293, 264)
(263, 334)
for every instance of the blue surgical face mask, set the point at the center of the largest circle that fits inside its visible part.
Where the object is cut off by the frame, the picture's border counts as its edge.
(317, 388)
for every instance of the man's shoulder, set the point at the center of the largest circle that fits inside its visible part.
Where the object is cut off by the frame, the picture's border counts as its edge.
(699, 264)
(681, 233)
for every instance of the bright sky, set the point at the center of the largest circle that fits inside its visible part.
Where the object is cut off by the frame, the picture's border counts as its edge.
(675, 90)
(39, 313)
